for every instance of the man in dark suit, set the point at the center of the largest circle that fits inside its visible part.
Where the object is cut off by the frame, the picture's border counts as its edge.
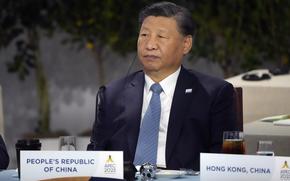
(195, 108)
(4, 158)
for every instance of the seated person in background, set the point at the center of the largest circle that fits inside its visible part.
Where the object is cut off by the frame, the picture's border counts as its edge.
(4, 157)
(164, 114)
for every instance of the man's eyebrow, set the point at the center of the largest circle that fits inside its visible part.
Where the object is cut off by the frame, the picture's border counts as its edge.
(163, 31)
(160, 30)
(144, 28)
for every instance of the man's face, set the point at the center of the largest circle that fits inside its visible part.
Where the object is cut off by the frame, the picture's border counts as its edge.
(161, 46)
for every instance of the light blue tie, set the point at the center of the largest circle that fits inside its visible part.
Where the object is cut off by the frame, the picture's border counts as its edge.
(146, 150)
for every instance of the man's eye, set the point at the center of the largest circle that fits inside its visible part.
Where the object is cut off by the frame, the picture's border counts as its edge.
(161, 36)
(143, 34)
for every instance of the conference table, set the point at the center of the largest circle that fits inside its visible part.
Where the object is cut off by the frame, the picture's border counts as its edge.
(11, 175)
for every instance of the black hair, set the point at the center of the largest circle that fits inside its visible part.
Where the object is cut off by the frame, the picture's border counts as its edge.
(167, 9)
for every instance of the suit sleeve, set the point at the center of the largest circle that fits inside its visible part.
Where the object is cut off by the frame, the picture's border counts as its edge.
(223, 115)
(4, 158)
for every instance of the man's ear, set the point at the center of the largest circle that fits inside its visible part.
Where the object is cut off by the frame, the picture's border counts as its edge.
(187, 44)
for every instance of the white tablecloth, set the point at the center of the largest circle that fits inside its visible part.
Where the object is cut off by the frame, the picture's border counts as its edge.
(258, 131)
(264, 98)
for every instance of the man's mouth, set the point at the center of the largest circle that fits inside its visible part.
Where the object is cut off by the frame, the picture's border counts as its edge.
(151, 57)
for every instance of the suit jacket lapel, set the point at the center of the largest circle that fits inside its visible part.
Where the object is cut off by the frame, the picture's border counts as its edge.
(133, 100)
(182, 99)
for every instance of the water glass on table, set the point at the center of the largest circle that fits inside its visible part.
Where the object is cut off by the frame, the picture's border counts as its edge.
(67, 143)
(265, 148)
(233, 142)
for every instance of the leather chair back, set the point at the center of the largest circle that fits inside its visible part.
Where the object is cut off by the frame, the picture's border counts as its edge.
(239, 106)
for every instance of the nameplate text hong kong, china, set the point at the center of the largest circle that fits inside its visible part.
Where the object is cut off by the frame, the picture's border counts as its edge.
(40, 165)
(229, 167)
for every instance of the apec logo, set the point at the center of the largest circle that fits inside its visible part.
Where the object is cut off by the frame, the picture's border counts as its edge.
(285, 172)
(110, 166)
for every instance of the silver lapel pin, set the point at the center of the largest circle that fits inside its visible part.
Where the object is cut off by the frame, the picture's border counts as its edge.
(187, 91)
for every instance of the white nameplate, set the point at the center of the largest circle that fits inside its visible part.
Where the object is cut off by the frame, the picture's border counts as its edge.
(229, 167)
(38, 165)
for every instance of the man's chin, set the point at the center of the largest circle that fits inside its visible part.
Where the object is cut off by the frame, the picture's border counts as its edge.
(150, 70)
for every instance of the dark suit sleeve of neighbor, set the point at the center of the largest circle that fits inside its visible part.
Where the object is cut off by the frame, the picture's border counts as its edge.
(4, 158)
(222, 115)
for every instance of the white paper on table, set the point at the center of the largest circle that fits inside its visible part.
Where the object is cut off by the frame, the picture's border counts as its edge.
(283, 122)
(275, 118)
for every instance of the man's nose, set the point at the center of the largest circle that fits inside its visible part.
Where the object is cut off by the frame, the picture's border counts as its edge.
(151, 43)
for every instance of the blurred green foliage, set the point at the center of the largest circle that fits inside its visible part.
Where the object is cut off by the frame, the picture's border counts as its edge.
(96, 25)
(239, 35)
(23, 23)
(242, 34)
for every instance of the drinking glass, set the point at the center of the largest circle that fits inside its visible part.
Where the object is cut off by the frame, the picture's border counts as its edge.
(67, 143)
(233, 142)
(265, 148)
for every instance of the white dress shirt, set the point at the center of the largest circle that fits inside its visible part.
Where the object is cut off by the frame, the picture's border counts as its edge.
(168, 85)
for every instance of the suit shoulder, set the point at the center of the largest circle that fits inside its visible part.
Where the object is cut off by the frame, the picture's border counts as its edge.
(121, 83)
(210, 83)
